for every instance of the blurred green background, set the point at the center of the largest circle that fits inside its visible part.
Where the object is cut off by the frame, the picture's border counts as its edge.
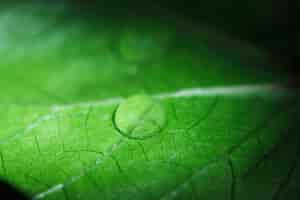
(270, 24)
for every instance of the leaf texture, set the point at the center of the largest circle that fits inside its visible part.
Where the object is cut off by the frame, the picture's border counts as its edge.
(230, 131)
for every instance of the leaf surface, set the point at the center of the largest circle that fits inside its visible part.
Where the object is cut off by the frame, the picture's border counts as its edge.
(62, 78)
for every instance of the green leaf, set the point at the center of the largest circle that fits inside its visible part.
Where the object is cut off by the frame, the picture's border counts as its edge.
(220, 126)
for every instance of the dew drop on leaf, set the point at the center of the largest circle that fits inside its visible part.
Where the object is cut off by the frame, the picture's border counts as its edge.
(140, 117)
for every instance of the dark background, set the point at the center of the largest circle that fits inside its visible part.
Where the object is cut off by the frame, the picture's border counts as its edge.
(270, 24)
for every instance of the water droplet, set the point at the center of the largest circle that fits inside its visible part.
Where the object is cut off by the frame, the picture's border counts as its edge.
(140, 117)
